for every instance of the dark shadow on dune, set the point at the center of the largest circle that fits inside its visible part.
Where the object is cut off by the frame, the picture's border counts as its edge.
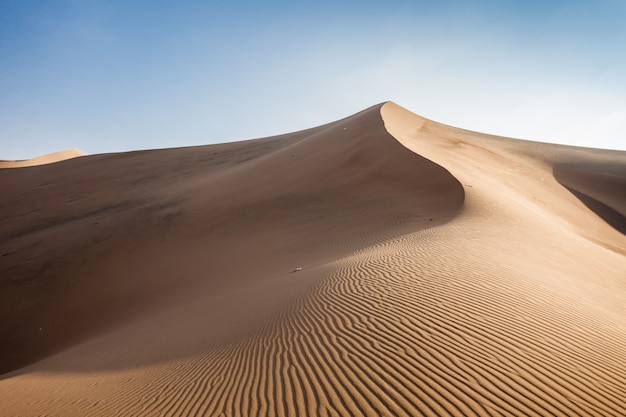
(612, 217)
(602, 188)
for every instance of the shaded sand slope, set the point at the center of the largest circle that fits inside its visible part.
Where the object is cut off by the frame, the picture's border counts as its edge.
(168, 292)
(601, 186)
(89, 243)
(43, 159)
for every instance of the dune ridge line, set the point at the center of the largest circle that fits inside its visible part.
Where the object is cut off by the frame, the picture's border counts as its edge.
(43, 159)
(443, 272)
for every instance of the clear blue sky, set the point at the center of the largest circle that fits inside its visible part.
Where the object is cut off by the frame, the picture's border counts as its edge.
(106, 76)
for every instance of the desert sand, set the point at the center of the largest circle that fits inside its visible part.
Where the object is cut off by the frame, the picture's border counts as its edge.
(43, 159)
(443, 272)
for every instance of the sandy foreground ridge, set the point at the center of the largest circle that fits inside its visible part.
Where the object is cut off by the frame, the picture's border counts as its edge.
(444, 272)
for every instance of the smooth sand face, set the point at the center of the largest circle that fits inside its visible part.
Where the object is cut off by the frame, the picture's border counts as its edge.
(444, 272)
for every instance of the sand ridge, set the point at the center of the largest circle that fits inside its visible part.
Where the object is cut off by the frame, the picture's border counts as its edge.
(444, 272)
(43, 159)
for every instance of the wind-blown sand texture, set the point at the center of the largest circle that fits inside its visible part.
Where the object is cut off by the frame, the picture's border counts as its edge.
(444, 272)
(43, 159)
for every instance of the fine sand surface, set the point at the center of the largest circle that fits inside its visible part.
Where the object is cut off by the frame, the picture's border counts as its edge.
(43, 159)
(444, 272)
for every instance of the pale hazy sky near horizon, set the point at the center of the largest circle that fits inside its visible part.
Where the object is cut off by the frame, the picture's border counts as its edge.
(108, 76)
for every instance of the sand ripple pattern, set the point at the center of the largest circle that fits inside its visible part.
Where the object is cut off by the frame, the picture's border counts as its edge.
(503, 311)
(401, 330)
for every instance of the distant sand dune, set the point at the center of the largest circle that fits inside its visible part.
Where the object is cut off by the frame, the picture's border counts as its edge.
(42, 160)
(444, 272)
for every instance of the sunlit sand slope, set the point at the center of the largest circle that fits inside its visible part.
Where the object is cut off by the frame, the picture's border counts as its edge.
(538, 275)
(42, 160)
(444, 272)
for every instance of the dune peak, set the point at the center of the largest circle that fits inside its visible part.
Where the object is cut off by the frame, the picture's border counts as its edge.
(439, 272)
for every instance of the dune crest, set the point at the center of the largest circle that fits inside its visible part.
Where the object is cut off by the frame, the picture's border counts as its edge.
(520, 173)
(43, 159)
(381, 265)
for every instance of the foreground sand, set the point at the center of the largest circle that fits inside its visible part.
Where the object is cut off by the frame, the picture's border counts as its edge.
(444, 272)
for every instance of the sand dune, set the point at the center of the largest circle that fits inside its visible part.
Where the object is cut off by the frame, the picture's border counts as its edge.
(444, 272)
(43, 159)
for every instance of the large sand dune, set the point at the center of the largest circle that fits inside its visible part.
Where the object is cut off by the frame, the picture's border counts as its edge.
(444, 272)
